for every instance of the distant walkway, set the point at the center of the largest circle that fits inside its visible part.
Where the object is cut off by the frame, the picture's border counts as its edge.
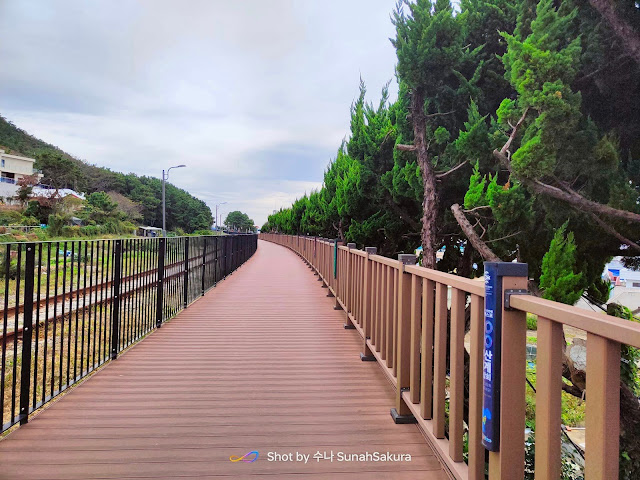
(261, 363)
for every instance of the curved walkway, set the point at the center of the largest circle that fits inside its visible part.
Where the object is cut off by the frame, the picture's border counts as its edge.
(261, 363)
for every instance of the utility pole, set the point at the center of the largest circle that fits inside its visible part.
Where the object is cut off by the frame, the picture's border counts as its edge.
(165, 177)
(217, 205)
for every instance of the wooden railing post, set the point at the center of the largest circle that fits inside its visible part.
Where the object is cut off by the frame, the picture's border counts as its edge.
(401, 412)
(603, 408)
(349, 288)
(507, 463)
(367, 354)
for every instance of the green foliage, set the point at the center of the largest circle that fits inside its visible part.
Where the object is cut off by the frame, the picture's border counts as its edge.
(630, 356)
(570, 469)
(58, 169)
(10, 217)
(532, 322)
(61, 170)
(240, 221)
(559, 280)
(100, 208)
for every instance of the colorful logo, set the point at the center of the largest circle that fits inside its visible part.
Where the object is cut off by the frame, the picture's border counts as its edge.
(245, 458)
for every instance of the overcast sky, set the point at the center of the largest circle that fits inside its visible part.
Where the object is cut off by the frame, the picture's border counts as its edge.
(252, 95)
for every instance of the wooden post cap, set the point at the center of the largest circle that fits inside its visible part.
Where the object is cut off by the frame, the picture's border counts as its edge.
(407, 258)
(371, 250)
(351, 245)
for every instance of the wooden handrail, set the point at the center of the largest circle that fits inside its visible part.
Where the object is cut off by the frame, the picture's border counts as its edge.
(404, 314)
(606, 326)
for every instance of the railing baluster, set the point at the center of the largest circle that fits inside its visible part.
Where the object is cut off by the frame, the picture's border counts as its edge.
(416, 334)
(384, 318)
(476, 449)
(367, 303)
(426, 377)
(456, 374)
(602, 423)
(548, 399)
(439, 359)
(389, 318)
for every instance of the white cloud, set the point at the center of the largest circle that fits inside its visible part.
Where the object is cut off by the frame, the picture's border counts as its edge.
(253, 96)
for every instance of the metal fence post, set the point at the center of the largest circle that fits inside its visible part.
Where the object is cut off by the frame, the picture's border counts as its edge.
(115, 300)
(216, 247)
(160, 285)
(204, 261)
(185, 290)
(25, 375)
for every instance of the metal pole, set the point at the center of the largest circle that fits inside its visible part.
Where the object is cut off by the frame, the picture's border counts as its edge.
(25, 374)
(115, 300)
(164, 220)
(160, 284)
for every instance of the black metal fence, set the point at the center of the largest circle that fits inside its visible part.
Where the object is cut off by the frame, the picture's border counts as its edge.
(70, 306)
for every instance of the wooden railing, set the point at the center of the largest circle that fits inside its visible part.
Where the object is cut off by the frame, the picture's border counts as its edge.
(406, 314)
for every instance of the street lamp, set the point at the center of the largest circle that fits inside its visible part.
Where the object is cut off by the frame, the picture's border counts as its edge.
(165, 177)
(223, 203)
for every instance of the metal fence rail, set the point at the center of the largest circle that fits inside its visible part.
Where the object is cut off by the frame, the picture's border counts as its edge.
(412, 320)
(70, 306)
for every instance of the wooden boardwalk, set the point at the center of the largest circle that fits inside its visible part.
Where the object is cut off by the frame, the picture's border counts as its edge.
(261, 363)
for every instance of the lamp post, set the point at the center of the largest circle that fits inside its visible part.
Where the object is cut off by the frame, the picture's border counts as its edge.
(165, 177)
(217, 205)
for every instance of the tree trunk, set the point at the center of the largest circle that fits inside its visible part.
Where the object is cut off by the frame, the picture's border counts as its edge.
(472, 236)
(624, 31)
(430, 200)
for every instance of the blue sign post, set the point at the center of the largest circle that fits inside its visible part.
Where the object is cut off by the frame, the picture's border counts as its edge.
(493, 274)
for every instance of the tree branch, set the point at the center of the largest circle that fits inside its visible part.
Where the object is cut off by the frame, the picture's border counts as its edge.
(444, 174)
(571, 197)
(612, 231)
(481, 247)
(514, 132)
(438, 114)
(406, 148)
(482, 207)
(414, 224)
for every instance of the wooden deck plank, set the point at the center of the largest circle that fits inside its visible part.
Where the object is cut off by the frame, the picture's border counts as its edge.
(262, 362)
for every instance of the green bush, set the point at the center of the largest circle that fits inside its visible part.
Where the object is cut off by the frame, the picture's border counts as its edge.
(55, 224)
(203, 232)
(10, 217)
(28, 220)
(90, 231)
(532, 321)
(69, 231)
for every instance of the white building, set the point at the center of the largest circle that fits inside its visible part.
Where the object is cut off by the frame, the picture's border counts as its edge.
(14, 167)
(626, 290)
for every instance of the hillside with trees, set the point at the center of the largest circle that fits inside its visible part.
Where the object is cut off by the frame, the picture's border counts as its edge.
(515, 136)
(61, 170)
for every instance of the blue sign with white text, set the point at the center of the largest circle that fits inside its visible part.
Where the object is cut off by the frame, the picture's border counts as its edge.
(492, 355)
(491, 358)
